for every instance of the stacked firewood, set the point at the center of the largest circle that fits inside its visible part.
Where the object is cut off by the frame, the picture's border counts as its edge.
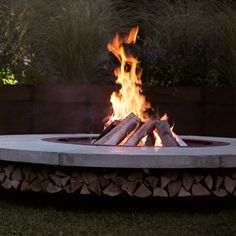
(130, 131)
(137, 183)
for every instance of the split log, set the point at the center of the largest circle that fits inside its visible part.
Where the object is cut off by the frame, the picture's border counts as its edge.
(26, 173)
(95, 187)
(198, 178)
(164, 181)
(8, 170)
(119, 180)
(165, 134)
(64, 180)
(51, 188)
(36, 186)
(103, 182)
(219, 181)
(44, 185)
(16, 174)
(55, 179)
(199, 190)
(173, 175)
(7, 183)
(89, 177)
(84, 190)
(60, 173)
(112, 190)
(187, 181)
(233, 175)
(150, 141)
(117, 134)
(229, 184)
(2, 176)
(39, 175)
(15, 183)
(220, 192)
(160, 192)
(75, 184)
(179, 140)
(111, 175)
(183, 193)
(142, 191)
(141, 132)
(152, 181)
(135, 176)
(129, 187)
(25, 186)
(209, 181)
(174, 187)
(108, 129)
(32, 176)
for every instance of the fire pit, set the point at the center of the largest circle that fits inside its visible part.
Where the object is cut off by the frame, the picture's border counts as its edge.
(51, 164)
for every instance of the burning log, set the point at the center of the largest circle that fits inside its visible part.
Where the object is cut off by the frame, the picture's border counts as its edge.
(150, 140)
(108, 129)
(165, 134)
(117, 134)
(144, 130)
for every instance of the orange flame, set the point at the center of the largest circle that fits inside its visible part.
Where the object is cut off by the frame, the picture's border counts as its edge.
(129, 98)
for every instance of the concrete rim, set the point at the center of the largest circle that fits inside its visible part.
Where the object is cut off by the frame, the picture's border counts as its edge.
(32, 149)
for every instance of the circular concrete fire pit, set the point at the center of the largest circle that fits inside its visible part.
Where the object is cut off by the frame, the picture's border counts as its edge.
(54, 163)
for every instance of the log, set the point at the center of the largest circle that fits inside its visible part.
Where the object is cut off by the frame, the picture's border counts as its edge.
(165, 134)
(209, 181)
(75, 184)
(179, 140)
(117, 134)
(103, 182)
(173, 175)
(199, 190)
(25, 186)
(89, 177)
(142, 191)
(219, 181)
(2, 176)
(164, 181)
(220, 192)
(15, 183)
(151, 113)
(152, 181)
(44, 185)
(84, 190)
(119, 180)
(142, 131)
(112, 190)
(108, 129)
(183, 193)
(187, 181)
(129, 187)
(229, 184)
(198, 178)
(16, 174)
(39, 175)
(32, 176)
(174, 187)
(51, 188)
(55, 179)
(26, 173)
(7, 183)
(150, 141)
(60, 173)
(8, 170)
(135, 176)
(36, 186)
(64, 180)
(160, 192)
(95, 188)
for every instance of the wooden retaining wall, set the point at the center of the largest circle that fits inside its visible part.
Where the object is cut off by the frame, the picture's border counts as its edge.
(74, 108)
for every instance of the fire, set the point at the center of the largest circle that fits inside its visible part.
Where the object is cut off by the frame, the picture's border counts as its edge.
(130, 98)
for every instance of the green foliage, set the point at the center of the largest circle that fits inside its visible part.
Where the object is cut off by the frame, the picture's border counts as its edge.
(7, 77)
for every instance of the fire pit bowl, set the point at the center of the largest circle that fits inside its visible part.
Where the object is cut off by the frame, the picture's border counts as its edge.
(54, 163)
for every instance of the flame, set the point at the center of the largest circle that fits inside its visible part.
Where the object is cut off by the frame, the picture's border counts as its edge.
(129, 98)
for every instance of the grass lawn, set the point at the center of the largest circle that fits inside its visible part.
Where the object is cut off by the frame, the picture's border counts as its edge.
(40, 214)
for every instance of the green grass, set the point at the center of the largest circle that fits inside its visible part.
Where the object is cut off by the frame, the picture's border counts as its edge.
(32, 214)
